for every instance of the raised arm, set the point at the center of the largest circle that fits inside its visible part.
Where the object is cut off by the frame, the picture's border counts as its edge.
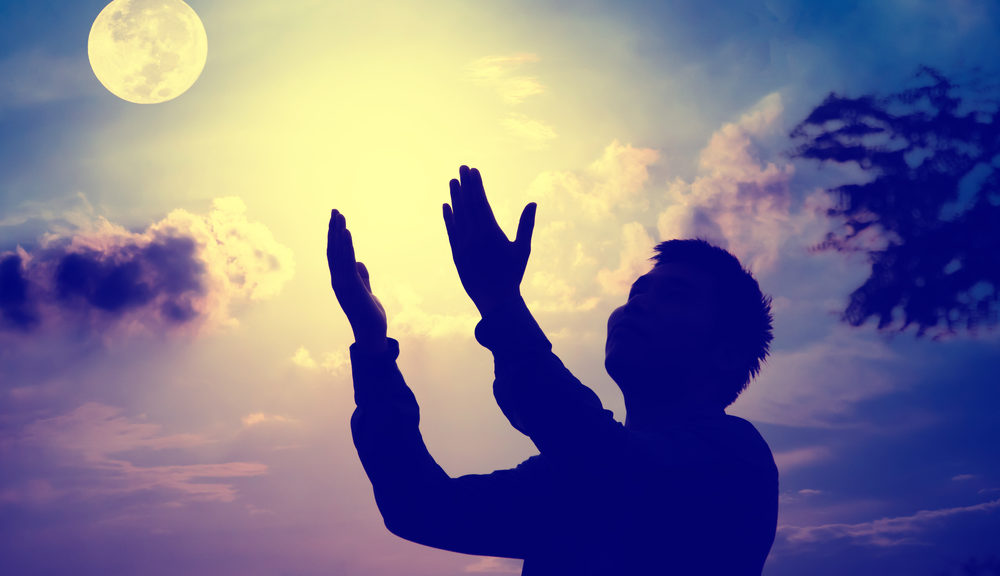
(533, 388)
(475, 514)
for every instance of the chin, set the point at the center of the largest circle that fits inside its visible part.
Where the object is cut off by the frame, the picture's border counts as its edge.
(627, 363)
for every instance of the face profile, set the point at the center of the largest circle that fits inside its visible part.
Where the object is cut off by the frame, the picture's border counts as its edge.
(666, 321)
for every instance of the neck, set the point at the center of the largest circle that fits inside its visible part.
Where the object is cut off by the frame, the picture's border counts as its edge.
(650, 410)
(653, 416)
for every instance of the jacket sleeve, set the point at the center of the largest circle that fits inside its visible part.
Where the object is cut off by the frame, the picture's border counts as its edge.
(539, 396)
(489, 514)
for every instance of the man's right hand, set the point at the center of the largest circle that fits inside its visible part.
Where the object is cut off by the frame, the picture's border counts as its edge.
(490, 266)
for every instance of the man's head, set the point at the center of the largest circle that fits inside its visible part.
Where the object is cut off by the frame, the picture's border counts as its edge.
(698, 318)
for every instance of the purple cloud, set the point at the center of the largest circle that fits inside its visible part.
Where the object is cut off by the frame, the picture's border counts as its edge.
(91, 444)
(182, 271)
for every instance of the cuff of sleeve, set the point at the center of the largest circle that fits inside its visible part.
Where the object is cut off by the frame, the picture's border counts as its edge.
(361, 356)
(511, 328)
(376, 377)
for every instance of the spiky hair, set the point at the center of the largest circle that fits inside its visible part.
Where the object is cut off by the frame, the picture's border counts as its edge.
(744, 311)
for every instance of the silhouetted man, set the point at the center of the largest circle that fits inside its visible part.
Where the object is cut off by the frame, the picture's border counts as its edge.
(680, 488)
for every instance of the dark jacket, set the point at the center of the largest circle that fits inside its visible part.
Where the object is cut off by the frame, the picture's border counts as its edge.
(700, 497)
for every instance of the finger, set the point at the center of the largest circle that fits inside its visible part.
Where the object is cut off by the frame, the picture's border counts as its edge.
(460, 217)
(467, 209)
(479, 206)
(365, 279)
(331, 240)
(525, 228)
(449, 224)
(344, 249)
(334, 242)
(347, 251)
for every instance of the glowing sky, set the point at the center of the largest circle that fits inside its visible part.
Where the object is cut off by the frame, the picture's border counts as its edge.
(192, 415)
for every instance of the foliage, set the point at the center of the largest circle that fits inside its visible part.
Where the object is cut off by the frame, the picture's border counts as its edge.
(929, 214)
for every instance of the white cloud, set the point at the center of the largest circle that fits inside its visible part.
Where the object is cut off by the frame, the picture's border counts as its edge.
(588, 244)
(333, 363)
(801, 458)
(551, 293)
(637, 247)
(303, 358)
(535, 134)
(883, 532)
(336, 363)
(412, 319)
(611, 187)
(498, 73)
(258, 418)
(246, 260)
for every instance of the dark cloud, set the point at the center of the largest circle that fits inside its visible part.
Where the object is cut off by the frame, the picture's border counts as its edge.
(183, 270)
(15, 310)
(166, 272)
(164, 278)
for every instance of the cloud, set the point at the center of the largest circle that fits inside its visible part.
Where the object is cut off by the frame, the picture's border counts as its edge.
(742, 198)
(594, 237)
(89, 441)
(490, 565)
(801, 458)
(333, 363)
(535, 134)
(258, 418)
(964, 477)
(820, 383)
(552, 293)
(637, 247)
(413, 320)
(884, 532)
(589, 243)
(92, 276)
(613, 186)
(498, 73)
(303, 358)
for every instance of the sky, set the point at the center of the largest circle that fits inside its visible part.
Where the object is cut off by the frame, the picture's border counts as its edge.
(175, 390)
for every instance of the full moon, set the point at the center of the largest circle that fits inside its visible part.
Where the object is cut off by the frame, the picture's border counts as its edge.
(147, 51)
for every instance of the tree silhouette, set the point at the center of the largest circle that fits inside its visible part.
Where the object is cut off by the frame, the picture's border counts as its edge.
(932, 154)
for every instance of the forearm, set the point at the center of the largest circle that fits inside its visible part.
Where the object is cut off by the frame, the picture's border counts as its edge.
(418, 500)
(535, 391)
(387, 437)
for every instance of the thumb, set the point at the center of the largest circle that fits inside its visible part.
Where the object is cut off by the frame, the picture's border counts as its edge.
(525, 228)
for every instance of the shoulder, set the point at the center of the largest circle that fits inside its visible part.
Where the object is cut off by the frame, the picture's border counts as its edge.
(749, 446)
(714, 441)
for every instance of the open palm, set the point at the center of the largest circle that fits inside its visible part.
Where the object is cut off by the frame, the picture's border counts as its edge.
(352, 286)
(490, 266)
